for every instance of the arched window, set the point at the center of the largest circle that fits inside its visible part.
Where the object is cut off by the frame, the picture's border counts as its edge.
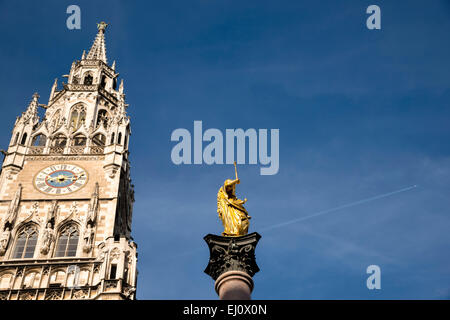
(103, 82)
(113, 136)
(125, 142)
(78, 116)
(75, 80)
(119, 139)
(39, 140)
(55, 119)
(26, 243)
(16, 139)
(88, 80)
(24, 139)
(102, 116)
(60, 140)
(99, 140)
(79, 140)
(67, 242)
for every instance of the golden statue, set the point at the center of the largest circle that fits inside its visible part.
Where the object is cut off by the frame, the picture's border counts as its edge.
(231, 211)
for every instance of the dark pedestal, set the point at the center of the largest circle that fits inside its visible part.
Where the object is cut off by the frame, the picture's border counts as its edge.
(232, 265)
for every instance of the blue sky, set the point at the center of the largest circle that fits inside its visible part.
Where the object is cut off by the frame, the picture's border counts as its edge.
(361, 113)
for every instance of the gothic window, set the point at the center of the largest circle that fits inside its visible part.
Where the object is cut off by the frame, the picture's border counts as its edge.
(103, 82)
(125, 142)
(102, 116)
(39, 140)
(24, 139)
(113, 271)
(79, 140)
(25, 243)
(88, 79)
(75, 80)
(78, 116)
(99, 140)
(60, 140)
(55, 119)
(16, 139)
(113, 136)
(119, 139)
(67, 242)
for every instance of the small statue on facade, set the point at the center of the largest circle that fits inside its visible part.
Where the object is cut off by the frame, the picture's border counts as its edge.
(231, 211)
(93, 206)
(4, 240)
(48, 238)
(88, 236)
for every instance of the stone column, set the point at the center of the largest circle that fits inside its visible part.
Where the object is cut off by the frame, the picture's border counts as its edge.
(232, 265)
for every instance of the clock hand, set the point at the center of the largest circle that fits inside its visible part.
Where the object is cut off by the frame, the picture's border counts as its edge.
(75, 178)
(64, 177)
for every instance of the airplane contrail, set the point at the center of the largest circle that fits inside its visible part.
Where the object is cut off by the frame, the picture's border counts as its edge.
(384, 195)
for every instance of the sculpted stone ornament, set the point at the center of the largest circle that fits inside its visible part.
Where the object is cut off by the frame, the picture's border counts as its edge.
(93, 206)
(51, 214)
(48, 238)
(128, 291)
(4, 240)
(88, 238)
(231, 211)
(13, 208)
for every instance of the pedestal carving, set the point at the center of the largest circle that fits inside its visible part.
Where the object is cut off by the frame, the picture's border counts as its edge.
(232, 264)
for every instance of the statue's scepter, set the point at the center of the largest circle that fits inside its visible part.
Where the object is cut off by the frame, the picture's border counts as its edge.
(235, 170)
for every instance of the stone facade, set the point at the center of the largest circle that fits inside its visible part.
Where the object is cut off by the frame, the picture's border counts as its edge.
(75, 245)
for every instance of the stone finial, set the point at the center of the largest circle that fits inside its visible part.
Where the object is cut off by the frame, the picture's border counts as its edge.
(102, 26)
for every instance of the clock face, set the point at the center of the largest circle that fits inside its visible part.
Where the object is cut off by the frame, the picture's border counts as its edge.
(59, 179)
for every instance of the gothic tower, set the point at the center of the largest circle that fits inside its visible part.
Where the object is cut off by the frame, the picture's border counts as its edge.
(66, 196)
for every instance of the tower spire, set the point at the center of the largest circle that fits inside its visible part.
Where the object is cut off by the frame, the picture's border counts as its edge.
(32, 111)
(54, 88)
(98, 49)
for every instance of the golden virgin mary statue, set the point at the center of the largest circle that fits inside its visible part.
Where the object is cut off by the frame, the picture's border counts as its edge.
(231, 211)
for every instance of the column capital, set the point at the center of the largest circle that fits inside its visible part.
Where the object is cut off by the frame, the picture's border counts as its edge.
(232, 254)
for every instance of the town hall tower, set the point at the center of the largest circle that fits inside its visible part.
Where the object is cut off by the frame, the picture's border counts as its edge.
(66, 196)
